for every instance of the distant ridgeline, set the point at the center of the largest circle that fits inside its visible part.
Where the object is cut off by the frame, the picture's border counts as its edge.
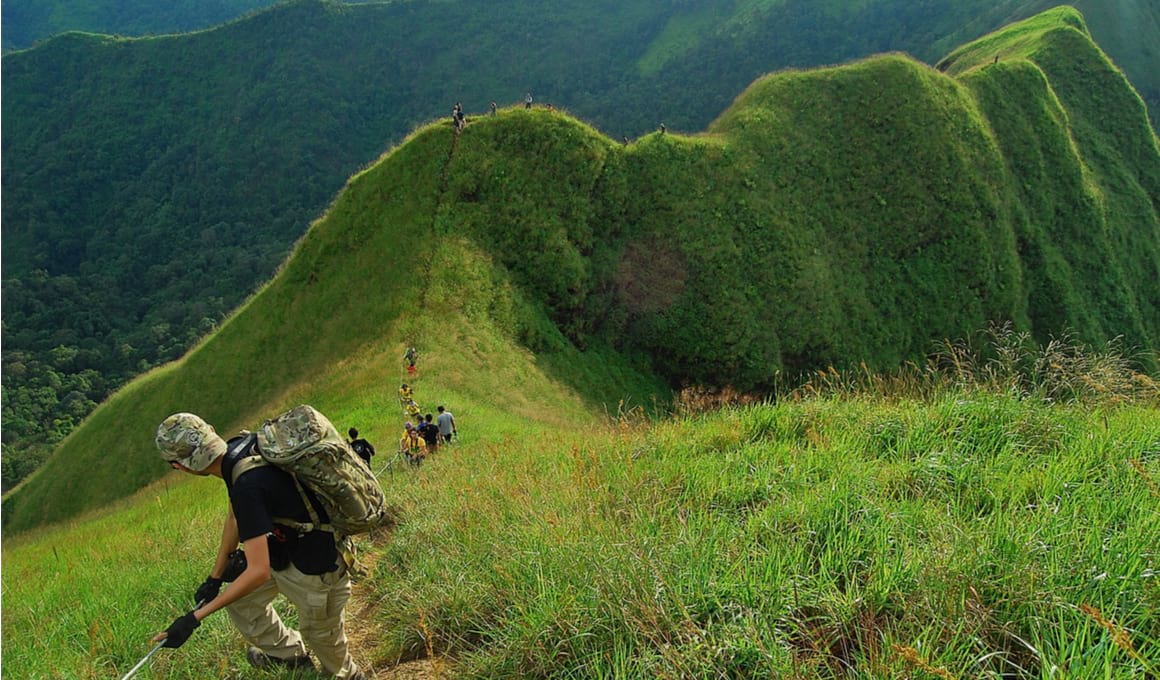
(852, 214)
(856, 213)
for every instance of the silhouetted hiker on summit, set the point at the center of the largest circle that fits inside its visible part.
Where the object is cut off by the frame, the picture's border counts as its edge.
(457, 116)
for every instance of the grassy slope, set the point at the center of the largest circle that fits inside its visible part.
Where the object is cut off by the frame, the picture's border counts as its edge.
(358, 276)
(116, 148)
(1085, 167)
(847, 215)
(544, 546)
(774, 541)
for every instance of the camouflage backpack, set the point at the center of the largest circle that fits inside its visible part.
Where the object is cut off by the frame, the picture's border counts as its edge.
(303, 442)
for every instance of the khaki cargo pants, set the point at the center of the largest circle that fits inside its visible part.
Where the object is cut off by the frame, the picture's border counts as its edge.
(320, 601)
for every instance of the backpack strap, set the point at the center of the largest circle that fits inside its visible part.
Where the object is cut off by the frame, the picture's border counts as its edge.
(256, 460)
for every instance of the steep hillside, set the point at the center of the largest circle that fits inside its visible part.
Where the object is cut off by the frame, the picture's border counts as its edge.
(845, 216)
(233, 139)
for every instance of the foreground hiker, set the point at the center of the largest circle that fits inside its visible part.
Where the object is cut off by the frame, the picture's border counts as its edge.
(306, 568)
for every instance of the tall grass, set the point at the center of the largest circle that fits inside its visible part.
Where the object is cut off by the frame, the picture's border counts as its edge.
(973, 530)
(962, 530)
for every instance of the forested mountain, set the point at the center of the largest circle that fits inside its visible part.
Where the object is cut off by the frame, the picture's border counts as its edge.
(150, 184)
(847, 216)
(27, 21)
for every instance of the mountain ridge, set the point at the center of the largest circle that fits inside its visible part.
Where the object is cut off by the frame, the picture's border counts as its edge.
(779, 248)
(230, 141)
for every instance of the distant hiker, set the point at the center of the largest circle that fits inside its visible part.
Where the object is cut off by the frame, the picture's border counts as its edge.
(305, 567)
(446, 423)
(493, 108)
(412, 446)
(625, 140)
(421, 427)
(411, 356)
(413, 409)
(406, 396)
(431, 433)
(362, 447)
(528, 101)
(457, 114)
(663, 128)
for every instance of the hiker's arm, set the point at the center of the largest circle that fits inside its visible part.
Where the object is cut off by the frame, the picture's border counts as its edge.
(257, 572)
(228, 543)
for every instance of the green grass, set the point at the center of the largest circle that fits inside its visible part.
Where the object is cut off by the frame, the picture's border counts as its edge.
(992, 518)
(833, 536)
(846, 216)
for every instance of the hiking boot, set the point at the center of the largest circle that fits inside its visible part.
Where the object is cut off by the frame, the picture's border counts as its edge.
(357, 675)
(262, 660)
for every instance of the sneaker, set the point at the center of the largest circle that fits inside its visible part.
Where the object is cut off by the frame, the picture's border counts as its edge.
(260, 659)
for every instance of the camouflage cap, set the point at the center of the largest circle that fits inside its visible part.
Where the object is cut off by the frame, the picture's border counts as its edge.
(187, 439)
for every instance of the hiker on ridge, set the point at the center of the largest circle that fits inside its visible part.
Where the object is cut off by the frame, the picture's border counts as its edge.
(406, 396)
(307, 569)
(446, 423)
(412, 446)
(362, 447)
(430, 432)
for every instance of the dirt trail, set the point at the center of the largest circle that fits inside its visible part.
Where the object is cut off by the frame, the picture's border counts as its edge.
(363, 632)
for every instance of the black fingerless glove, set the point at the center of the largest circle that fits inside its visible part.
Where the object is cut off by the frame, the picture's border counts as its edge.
(208, 590)
(179, 632)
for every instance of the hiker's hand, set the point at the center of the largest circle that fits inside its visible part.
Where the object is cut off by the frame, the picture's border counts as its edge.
(207, 590)
(176, 635)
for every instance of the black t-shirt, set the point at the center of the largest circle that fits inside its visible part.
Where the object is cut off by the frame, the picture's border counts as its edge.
(266, 492)
(431, 434)
(364, 449)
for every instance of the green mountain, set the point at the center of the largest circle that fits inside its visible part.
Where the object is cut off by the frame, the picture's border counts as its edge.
(151, 185)
(28, 21)
(849, 215)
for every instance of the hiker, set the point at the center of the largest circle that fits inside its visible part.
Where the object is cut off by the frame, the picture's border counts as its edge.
(411, 356)
(405, 397)
(306, 568)
(528, 101)
(412, 446)
(663, 128)
(458, 118)
(430, 433)
(413, 410)
(362, 447)
(446, 423)
(493, 108)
